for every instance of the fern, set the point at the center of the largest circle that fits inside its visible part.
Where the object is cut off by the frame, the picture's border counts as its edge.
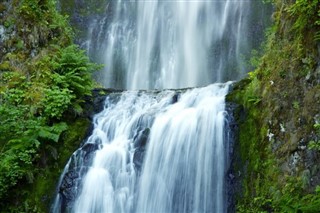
(53, 132)
(53, 151)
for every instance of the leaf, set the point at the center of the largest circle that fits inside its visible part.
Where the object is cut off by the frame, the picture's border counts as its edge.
(60, 127)
(45, 134)
(53, 133)
(77, 108)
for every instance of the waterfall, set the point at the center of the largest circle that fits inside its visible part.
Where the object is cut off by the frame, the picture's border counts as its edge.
(148, 44)
(180, 138)
(160, 150)
(185, 164)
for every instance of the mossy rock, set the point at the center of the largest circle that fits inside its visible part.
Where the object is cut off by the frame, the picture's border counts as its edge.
(72, 138)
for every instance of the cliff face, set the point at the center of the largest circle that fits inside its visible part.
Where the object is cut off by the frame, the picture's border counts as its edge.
(28, 27)
(279, 116)
(82, 13)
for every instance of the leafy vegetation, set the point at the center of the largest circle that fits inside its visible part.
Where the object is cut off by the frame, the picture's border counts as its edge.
(280, 104)
(315, 144)
(44, 79)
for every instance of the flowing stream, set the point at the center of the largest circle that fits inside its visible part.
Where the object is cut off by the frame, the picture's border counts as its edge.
(162, 150)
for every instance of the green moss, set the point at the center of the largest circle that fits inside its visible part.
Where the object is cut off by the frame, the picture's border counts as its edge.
(20, 45)
(72, 139)
(278, 105)
(5, 66)
(264, 187)
(256, 163)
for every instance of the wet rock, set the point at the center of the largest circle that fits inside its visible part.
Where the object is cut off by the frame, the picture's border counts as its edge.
(70, 187)
(141, 139)
(96, 103)
(233, 179)
(67, 187)
(89, 150)
(138, 158)
(90, 147)
(140, 142)
(175, 98)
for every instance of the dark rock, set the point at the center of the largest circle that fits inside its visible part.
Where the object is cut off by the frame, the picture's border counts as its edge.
(89, 150)
(68, 190)
(89, 147)
(175, 98)
(96, 103)
(141, 138)
(233, 182)
(138, 158)
(140, 141)
(70, 187)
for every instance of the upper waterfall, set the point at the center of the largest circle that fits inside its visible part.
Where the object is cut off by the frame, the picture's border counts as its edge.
(147, 44)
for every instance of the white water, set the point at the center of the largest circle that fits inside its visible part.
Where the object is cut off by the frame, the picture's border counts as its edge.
(148, 44)
(160, 44)
(184, 165)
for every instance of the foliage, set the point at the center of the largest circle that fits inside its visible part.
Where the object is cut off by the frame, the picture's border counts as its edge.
(282, 91)
(22, 134)
(31, 9)
(315, 145)
(306, 14)
(296, 105)
(317, 127)
(73, 70)
(56, 102)
(44, 79)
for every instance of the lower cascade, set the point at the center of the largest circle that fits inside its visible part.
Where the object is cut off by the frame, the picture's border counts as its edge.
(158, 151)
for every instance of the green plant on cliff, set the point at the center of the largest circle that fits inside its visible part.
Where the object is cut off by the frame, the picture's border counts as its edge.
(44, 80)
(306, 16)
(315, 145)
(74, 70)
(282, 91)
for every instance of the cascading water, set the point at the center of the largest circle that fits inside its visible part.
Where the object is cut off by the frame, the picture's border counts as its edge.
(148, 44)
(184, 167)
(160, 151)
